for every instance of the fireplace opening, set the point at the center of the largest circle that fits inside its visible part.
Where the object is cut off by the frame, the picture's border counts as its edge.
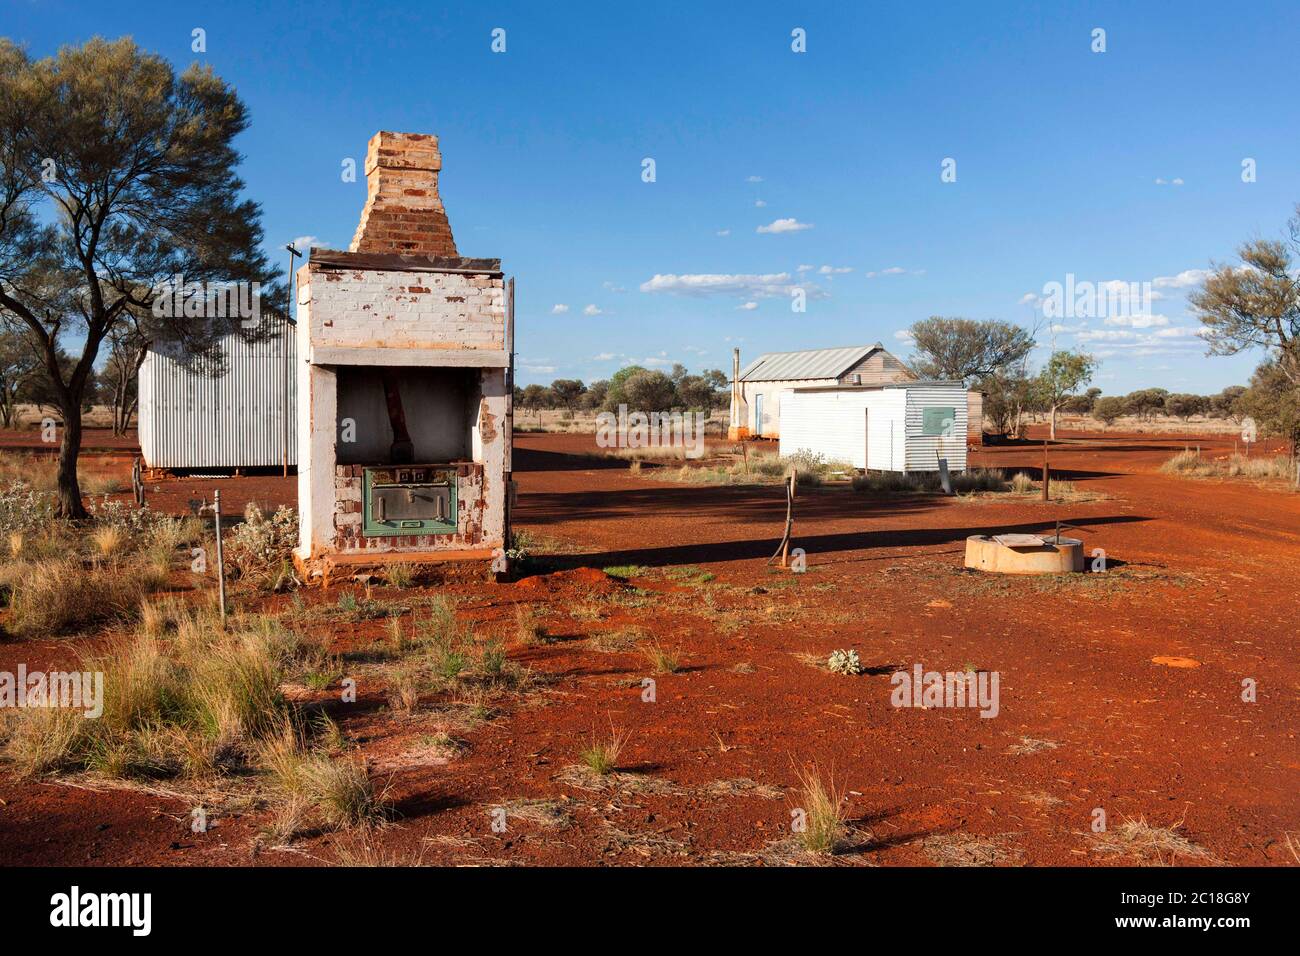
(438, 406)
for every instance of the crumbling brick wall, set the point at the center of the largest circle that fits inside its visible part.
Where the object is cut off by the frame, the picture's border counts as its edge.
(404, 213)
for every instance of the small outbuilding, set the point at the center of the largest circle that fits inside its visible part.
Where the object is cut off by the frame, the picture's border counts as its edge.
(229, 410)
(897, 426)
(756, 390)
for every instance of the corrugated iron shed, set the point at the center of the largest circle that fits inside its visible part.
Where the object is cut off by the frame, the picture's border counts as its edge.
(193, 418)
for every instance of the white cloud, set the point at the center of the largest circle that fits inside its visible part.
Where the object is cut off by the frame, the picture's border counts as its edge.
(748, 306)
(760, 203)
(559, 308)
(540, 369)
(613, 287)
(784, 225)
(834, 270)
(1106, 335)
(1184, 279)
(704, 284)
(304, 243)
(891, 271)
(723, 232)
(592, 310)
(1167, 340)
(1030, 298)
(604, 357)
(905, 336)
(1178, 182)
(754, 179)
(1160, 182)
(1137, 321)
(805, 268)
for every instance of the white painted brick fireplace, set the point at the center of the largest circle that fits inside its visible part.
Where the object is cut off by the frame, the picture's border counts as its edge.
(404, 382)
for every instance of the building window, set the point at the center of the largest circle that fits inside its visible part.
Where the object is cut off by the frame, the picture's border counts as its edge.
(857, 378)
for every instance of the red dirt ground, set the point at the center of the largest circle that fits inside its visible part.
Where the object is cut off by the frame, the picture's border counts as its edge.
(1199, 570)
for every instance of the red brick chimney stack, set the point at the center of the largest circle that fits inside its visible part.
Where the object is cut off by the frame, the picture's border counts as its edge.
(403, 211)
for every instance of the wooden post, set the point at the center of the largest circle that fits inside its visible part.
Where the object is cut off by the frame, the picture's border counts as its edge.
(783, 549)
(790, 483)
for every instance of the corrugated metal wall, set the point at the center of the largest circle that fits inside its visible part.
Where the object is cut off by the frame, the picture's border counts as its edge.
(924, 451)
(825, 423)
(885, 424)
(189, 419)
(847, 425)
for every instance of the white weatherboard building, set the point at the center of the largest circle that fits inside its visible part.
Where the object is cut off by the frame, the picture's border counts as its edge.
(233, 411)
(898, 426)
(756, 392)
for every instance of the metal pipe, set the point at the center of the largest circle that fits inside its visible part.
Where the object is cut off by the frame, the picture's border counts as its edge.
(221, 564)
(1047, 475)
(288, 311)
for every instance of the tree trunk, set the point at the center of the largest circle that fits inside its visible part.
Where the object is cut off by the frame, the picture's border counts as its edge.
(70, 505)
(1053, 423)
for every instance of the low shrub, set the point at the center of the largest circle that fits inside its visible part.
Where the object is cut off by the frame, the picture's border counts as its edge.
(259, 548)
(844, 662)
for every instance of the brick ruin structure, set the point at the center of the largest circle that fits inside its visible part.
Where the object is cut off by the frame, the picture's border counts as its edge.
(404, 382)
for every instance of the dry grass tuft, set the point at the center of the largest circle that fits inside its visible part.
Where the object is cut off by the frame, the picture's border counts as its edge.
(1022, 484)
(528, 629)
(1190, 464)
(613, 642)
(662, 660)
(61, 596)
(1157, 845)
(963, 849)
(1031, 745)
(361, 850)
(822, 804)
(552, 814)
(601, 756)
(109, 541)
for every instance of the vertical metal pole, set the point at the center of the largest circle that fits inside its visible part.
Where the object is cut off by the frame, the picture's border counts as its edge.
(221, 564)
(1047, 475)
(288, 327)
(286, 412)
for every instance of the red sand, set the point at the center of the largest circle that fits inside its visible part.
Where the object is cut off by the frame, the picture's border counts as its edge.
(1093, 713)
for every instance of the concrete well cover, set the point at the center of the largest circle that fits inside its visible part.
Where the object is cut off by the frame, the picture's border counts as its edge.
(1019, 540)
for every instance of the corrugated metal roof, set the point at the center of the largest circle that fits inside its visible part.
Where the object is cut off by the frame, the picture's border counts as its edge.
(810, 363)
(908, 383)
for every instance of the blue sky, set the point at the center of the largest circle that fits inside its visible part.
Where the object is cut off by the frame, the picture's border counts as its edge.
(1124, 165)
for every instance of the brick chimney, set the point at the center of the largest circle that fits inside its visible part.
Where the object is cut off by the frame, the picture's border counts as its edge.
(403, 211)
